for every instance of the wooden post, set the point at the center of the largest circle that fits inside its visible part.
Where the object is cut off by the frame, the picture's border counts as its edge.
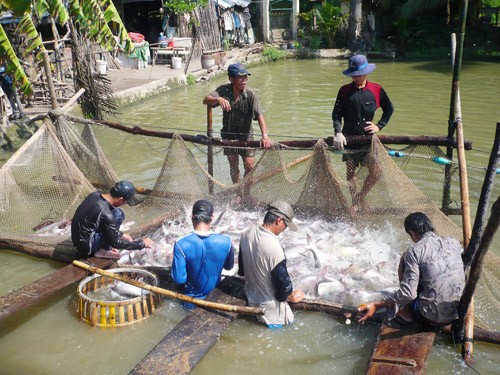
(57, 56)
(489, 178)
(467, 345)
(477, 249)
(457, 66)
(210, 153)
(50, 82)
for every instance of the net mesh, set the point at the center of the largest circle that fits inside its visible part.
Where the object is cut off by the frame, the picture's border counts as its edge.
(56, 169)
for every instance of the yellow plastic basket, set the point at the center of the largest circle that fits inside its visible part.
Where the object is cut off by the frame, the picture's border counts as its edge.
(116, 313)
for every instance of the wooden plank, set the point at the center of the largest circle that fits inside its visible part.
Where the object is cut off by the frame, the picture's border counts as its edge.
(183, 347)
(400, 351)
(41, 289)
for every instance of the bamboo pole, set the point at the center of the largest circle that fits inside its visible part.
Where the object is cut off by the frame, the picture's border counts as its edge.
(50, 82)
(210, 151)
(467, 344)
(484, 198)
(457, 66)
(307, 143)
(208, 304)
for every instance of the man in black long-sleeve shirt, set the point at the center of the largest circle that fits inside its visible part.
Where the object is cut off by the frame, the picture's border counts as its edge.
(96, 223)
(356, 103)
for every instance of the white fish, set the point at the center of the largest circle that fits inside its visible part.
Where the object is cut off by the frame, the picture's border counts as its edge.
(331, 290)
(58, 228)
(126, 289)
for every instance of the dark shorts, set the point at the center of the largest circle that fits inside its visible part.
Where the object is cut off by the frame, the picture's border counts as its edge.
(355, 159)
(422, 320)
(244, 152)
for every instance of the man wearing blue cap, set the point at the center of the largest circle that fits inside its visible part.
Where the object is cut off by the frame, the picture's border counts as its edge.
(95, 228)
(240, 106)
(356, 103)
(200, 256)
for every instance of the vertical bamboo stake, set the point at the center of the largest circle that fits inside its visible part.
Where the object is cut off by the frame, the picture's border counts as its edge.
(138, 310)
(457, 66)
(130, 313)
(112, 316)
(467, 345)
(121, 314)
(102, 315)
(93, 314)
(50, 82)
(210, 153)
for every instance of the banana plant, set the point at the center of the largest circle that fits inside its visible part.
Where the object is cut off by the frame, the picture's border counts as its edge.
(111, 15)
(13, 65)
(91, 20)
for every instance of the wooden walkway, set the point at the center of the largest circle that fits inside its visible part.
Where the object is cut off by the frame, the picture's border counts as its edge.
(183, 347)
(400, 351)
(43, 288)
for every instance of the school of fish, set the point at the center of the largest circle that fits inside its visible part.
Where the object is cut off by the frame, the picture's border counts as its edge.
(331, 261)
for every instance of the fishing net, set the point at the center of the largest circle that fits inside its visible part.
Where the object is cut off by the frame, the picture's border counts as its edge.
(49, 176)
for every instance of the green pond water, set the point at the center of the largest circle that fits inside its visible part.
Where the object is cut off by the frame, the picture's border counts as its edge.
(298, 97)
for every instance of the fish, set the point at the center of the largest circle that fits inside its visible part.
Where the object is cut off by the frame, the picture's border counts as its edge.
(334, 261)
(58, 228)
(125, 289)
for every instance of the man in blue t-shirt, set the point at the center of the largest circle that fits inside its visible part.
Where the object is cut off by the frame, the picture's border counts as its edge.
(200, 256)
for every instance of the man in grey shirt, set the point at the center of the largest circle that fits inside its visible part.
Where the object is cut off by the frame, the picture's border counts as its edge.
(262, 262)
(432, 278)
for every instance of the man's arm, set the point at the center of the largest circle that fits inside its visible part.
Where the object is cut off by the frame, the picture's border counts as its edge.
(115, 238)
(372, 307)
(229, 263)
(266, 141)
(179, 272)
(387, 108)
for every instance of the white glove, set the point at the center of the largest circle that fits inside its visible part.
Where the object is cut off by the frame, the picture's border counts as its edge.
(339, 141)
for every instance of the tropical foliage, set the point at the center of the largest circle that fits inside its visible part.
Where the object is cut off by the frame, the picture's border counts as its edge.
(94, 18)
(329, 19)
(183, 6)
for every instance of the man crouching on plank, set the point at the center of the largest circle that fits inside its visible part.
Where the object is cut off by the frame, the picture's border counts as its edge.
(263, 263)
(431, 275)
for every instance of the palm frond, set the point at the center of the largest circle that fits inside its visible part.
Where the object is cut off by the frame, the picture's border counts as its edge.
(415, 7)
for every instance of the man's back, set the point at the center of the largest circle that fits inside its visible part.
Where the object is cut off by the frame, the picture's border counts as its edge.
(442, 276)
(198, 262)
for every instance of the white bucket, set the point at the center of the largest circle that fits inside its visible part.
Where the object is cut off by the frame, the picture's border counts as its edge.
(176, 62)
(102, 65)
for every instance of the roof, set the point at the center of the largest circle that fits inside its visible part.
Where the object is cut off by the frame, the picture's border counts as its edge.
(225, 4)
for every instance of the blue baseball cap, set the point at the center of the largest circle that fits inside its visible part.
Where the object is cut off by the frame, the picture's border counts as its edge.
(237, 70)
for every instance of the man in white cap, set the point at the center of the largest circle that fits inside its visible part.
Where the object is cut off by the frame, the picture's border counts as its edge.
(262, 262)
(356, 104)
(240, 107)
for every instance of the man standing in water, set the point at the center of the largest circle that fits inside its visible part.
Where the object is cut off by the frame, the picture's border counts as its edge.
(356, 103)
(95, 228)
(200, 256)
(432, 278)
(262, 262)
(240, 106)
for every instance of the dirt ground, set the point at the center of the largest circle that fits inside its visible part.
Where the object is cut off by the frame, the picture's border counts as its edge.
(134, 84)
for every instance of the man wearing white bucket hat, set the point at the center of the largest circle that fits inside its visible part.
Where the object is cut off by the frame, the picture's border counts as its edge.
(356, 104)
